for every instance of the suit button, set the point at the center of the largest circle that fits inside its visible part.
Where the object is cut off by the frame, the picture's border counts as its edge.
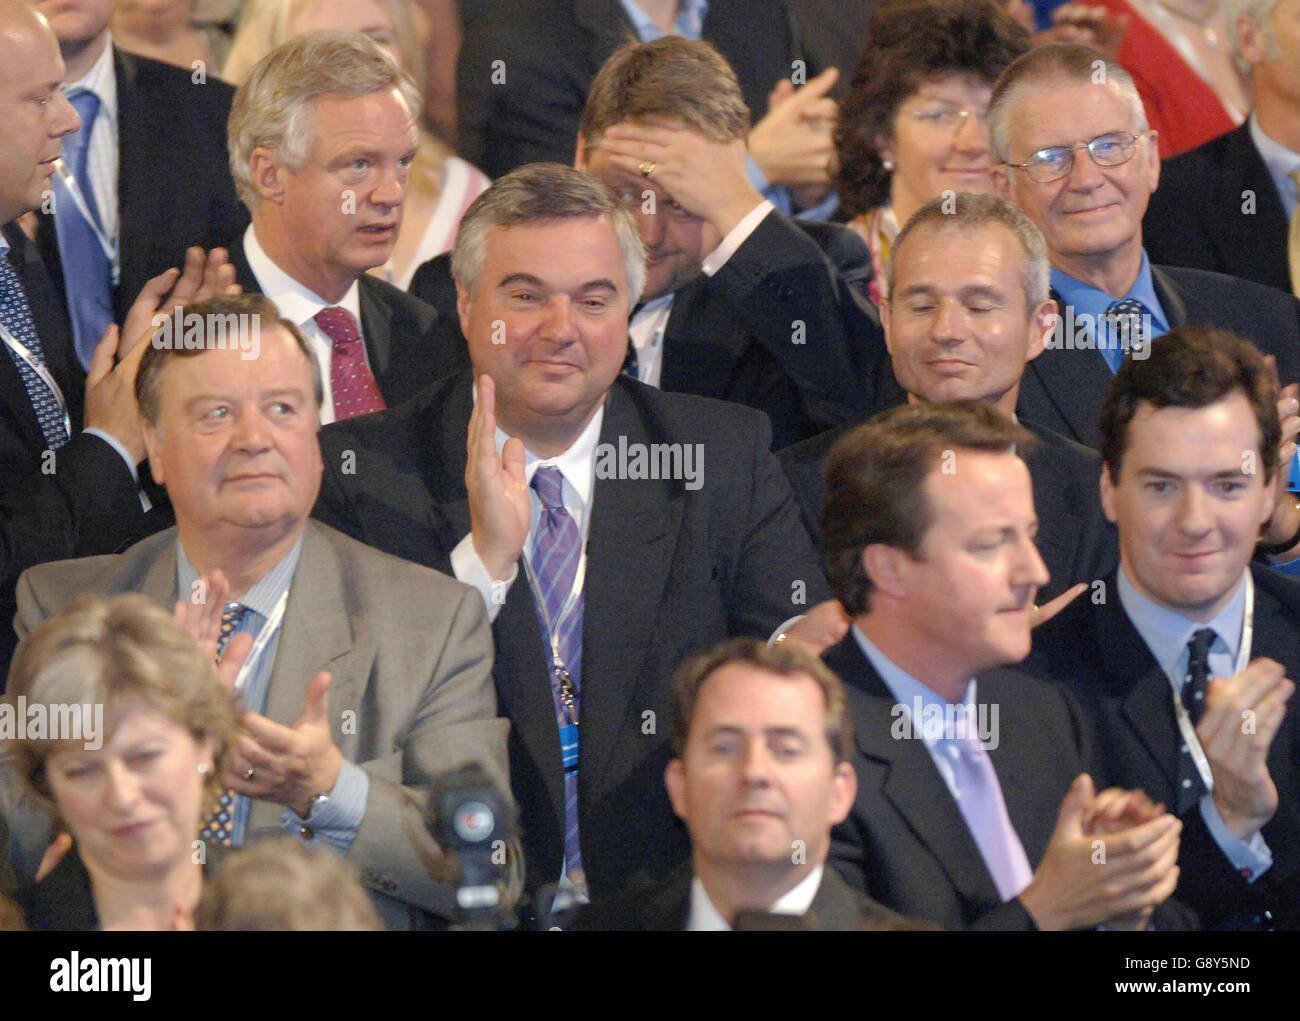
(307, 833)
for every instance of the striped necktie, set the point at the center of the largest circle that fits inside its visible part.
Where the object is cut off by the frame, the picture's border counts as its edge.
(219, 821)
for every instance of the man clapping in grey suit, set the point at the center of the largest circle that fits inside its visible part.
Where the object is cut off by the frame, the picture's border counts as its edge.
(336, 758)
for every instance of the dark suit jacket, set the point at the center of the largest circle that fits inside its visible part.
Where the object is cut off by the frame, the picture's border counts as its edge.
(731, 336)
(82, 501)
(408, 344)
(174, 187)
(549, 51)
(1203, 214)
(1094, 650)
(670, 570)
(1063, 389)
(905, 843)
(1075, 540)
(666, 907)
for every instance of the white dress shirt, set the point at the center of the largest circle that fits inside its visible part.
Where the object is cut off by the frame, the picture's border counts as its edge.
(704, 917)
(300, 304)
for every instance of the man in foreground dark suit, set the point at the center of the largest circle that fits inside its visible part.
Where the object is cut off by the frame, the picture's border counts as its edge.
(760, 773)
(631, 525)
(1081, 162)
(741, 302)
(967, 309)
(1226, 206)
(149, 165)
(974, 809)
(1190, 443)
(351, 713)
(326, 214)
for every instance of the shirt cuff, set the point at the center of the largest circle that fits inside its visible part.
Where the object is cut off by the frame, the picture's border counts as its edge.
(111, 440)
(785, 626)
(336, 822)
(467, 566)
(739, 234)
(1251, 859)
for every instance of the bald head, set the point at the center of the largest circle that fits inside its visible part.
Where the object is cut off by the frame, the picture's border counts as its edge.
(34, 112)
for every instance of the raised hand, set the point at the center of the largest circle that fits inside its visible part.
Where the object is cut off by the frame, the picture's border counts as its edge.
(500, 508)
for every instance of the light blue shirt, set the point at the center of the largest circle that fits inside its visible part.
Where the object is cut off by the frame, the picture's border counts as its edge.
(1087, 300)
(689, 24)
(1166, 634)
(1280, 161)
(337, 821)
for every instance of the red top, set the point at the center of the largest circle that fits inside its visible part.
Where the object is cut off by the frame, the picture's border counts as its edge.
(1179, 104)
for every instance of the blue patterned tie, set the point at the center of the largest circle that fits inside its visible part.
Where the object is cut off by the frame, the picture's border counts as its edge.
(219, 822)
(1127, 330)
(556, 552)
(17, 319)
(87, 271)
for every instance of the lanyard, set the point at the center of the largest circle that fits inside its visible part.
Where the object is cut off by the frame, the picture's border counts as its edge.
(79, 200)
(264, 636)
(561, 680)
(20, 349)
(1243, 658)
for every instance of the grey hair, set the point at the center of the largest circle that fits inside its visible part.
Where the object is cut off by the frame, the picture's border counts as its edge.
(1258, 11)
(537, 192)
(969, 212)
(272, 108)
(1056, 63)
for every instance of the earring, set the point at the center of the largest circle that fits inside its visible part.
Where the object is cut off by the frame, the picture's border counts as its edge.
(888, 165)
(203, 768)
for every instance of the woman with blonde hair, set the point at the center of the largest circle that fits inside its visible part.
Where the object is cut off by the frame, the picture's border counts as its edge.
(441, 185)
(137, 726)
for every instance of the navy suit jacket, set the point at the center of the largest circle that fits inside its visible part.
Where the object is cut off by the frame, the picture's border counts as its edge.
(1218, 209)
(1063, 389)
(670, 571)
(1093, 650)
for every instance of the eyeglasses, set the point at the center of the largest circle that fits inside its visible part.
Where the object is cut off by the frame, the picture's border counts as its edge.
(946, 118)
(1053, 163)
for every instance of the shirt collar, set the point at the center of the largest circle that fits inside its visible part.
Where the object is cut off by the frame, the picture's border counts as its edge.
(577, 464)
(908, 692)
(1167, 633)
(1279, 160)
(704, 917)
(689, 23)
(1086, 299)
(264, 594)
(102, 81)
(296, 302)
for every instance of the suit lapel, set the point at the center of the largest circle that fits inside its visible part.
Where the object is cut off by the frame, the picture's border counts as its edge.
(700, 352)
(135, 197)
(377, 330)
(635, 525)
(1171, 298)
(1256, 244)
(911, 784)
(1074, 381)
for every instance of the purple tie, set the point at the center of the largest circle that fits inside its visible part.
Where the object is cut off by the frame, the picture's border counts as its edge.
(556, 551)
(981, 804)
(352, 384)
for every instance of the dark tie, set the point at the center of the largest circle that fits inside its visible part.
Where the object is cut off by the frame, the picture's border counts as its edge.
(555, 564)
(630, 364)
(86, 268)
(1128, 327)
(219, 821)
(17, 319)
(352, 384)
(1190, 786)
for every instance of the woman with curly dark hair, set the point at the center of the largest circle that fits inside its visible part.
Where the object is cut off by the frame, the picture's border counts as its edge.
(913, 124)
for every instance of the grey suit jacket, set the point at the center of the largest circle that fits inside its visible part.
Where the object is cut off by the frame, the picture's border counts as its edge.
(410, 651)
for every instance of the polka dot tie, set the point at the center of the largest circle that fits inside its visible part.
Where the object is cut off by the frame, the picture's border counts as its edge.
(1190, 786)
(17, 318)
(352, 384)
(219, 821)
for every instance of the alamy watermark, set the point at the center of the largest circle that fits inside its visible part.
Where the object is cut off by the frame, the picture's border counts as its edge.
(1079, 331)
(188, 331)
(949, 722)
(682, 461)
(52, 721)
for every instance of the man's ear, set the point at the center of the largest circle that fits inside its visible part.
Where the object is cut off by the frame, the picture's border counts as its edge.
(153, 450)
(269, 173)
(675, 781)
(884, 318)
(580, 154)
(1250, 40)
(463, 300)
(884, 566)
(1044, 321)
(1107, 493)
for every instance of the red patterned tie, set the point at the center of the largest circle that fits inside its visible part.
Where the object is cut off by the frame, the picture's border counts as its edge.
(352, 384)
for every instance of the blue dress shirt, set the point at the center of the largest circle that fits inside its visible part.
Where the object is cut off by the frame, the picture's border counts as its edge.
(1088, 300)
